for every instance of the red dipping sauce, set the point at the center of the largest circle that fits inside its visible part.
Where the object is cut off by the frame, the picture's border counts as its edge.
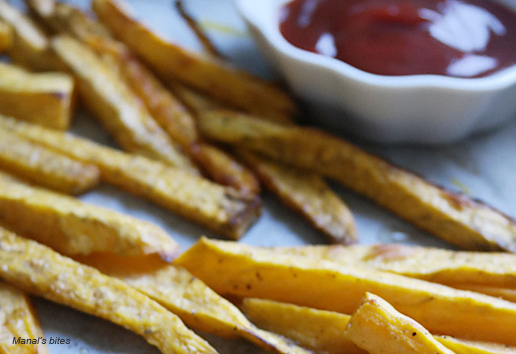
(460, 38)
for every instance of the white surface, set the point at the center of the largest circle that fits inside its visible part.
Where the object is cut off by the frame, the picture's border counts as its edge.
(483, 166)
(423, 109)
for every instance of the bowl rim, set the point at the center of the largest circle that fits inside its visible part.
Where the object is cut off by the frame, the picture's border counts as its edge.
(270, 30)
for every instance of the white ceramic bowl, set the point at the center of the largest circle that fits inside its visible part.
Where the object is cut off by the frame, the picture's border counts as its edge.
(422, 109)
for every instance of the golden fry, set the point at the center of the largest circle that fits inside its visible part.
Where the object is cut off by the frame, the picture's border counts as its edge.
(446, 267)
(6, 37)
(30, 47)
(18, 320)
(196, 28)
(45, 167)
(459, 346)
(246, 271)
(173, 117)
(221, 209)
(317, 330)
(109, 98)
(45, 99)
(454, 218)
(168, 111)
(225, 170)
(196, 304)
(308, 194)
(43, 272)
(209, 75)
(322, 331)
(75, 228)
(502, 293)
(61, 17)
(378, 328)
(196, 102)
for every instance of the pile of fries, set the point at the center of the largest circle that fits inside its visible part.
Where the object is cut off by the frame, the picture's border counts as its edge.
(200, 138)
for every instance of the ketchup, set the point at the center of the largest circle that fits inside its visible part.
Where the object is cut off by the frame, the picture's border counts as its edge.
(460, 38)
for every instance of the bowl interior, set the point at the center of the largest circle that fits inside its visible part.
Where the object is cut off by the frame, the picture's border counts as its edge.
(264, 16)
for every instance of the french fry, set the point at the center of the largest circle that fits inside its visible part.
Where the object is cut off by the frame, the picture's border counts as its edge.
(123, 247)
(178, 122)
(30, 47)
(317, 330)
(459, 346)
(165, 109)
(322, 331)
(309, 195)
(225, 170)
(107, 96)
(452, 268)
(195, 101)
(60, 17)
(6, 37)
(196, 304)
(18, 320)
(378, 328)
(45, 167)
(246, 271)
(76, 228)
(170, 114)
(502, 293)
(168, 111)
(196, 28)
(45, 99)
(221, 209)
(452, 217)
(43, 272)
(207, 74)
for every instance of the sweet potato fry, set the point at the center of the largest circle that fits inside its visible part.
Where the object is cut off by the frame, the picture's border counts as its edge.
(76, 228)
(45, 167)
(317, 330)
(175, 119)
(246, 271)
(6, 37)
(378, 328)
(196, 304)
(208, 46)
(322, 331)
(221, 209)
(196, 102)
(43, 272)
(60, 17)
(436, 265)
(454, 218)
(459, 346)
(30, 47)
(108, 97)
(205, 73)
(168, 111)
(308, 194)
(18, 320)
(502, 293)
(225, 170)
(170, 114)
(45, 99)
